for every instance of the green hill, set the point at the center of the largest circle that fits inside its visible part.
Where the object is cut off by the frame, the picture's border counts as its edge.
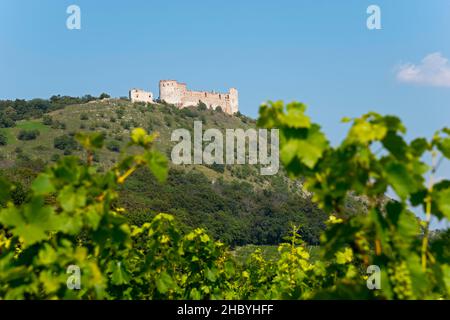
(234, 203)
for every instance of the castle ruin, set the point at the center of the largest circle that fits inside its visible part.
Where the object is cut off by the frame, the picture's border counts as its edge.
(138, 95)
(177, 94)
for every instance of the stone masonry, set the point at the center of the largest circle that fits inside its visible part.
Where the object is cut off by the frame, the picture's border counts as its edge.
(138, 95)
(173, 92)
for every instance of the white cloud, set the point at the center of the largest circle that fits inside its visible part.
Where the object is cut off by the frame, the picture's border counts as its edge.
(434, 70)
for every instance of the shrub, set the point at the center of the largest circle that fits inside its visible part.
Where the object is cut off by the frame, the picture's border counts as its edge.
(126, 125)
(168, 120)
(55, 157)
(84, 116)
(3, 139)
(202, 106)
(6, 121)
(26, 135)
(113, 146)
(120, 113)
(47, 120)
(65, 142)
(58, 125)
(188, 112)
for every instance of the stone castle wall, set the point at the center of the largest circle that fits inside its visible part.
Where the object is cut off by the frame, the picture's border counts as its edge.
(138, 95)
(177, 94)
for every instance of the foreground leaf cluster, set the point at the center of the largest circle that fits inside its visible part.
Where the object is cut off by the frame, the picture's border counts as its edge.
(71, 219)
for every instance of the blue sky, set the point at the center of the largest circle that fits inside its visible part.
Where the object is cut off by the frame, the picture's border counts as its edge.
(318, 52)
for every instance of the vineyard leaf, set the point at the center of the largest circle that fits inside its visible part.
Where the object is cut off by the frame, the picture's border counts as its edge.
(210, 275)
(158, 165)
(91, 141)
(444, 147)
(443, 202)
(10, 217)
(395, 144)
(164, 282)
(33, 224)
(42, 185)
(71, 199)
(365, 132)
(311, 149)
(419, 146)
(295, 117)
(120, 275)
(399, 178)
(289, 151)
(138, 135)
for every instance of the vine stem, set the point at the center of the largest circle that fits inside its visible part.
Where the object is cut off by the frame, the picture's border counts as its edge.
(123, 177)
(428, 200)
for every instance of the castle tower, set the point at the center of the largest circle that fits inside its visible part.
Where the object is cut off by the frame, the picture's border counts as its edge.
(234, 100)
(171, 92)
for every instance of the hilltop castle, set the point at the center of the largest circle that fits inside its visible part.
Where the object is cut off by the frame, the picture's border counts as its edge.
(173, 92)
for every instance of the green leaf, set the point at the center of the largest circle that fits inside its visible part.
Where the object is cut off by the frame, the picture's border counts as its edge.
(419, 146)
(211, 275)
(119, 275)
(444, 147)
(343, 257)
(138, 135)
(311, 149)
(288, 151)
(443, 202)
(164, 282)
(229, 268)
(396, 145)
(365, 132)
(10, 217)
(71, 199)
(32, 224)
(42, 185)
(400, 179)
(295, 117)
(158, 164)
(91, 141)
(346, 120)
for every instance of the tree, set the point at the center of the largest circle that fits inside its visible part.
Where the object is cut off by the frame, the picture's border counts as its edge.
(104, 96)
(6, 121)
(202, 106)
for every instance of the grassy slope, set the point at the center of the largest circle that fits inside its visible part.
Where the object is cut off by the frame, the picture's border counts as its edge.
(161, 118)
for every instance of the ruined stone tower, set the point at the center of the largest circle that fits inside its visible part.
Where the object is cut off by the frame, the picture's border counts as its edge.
(177, 94)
